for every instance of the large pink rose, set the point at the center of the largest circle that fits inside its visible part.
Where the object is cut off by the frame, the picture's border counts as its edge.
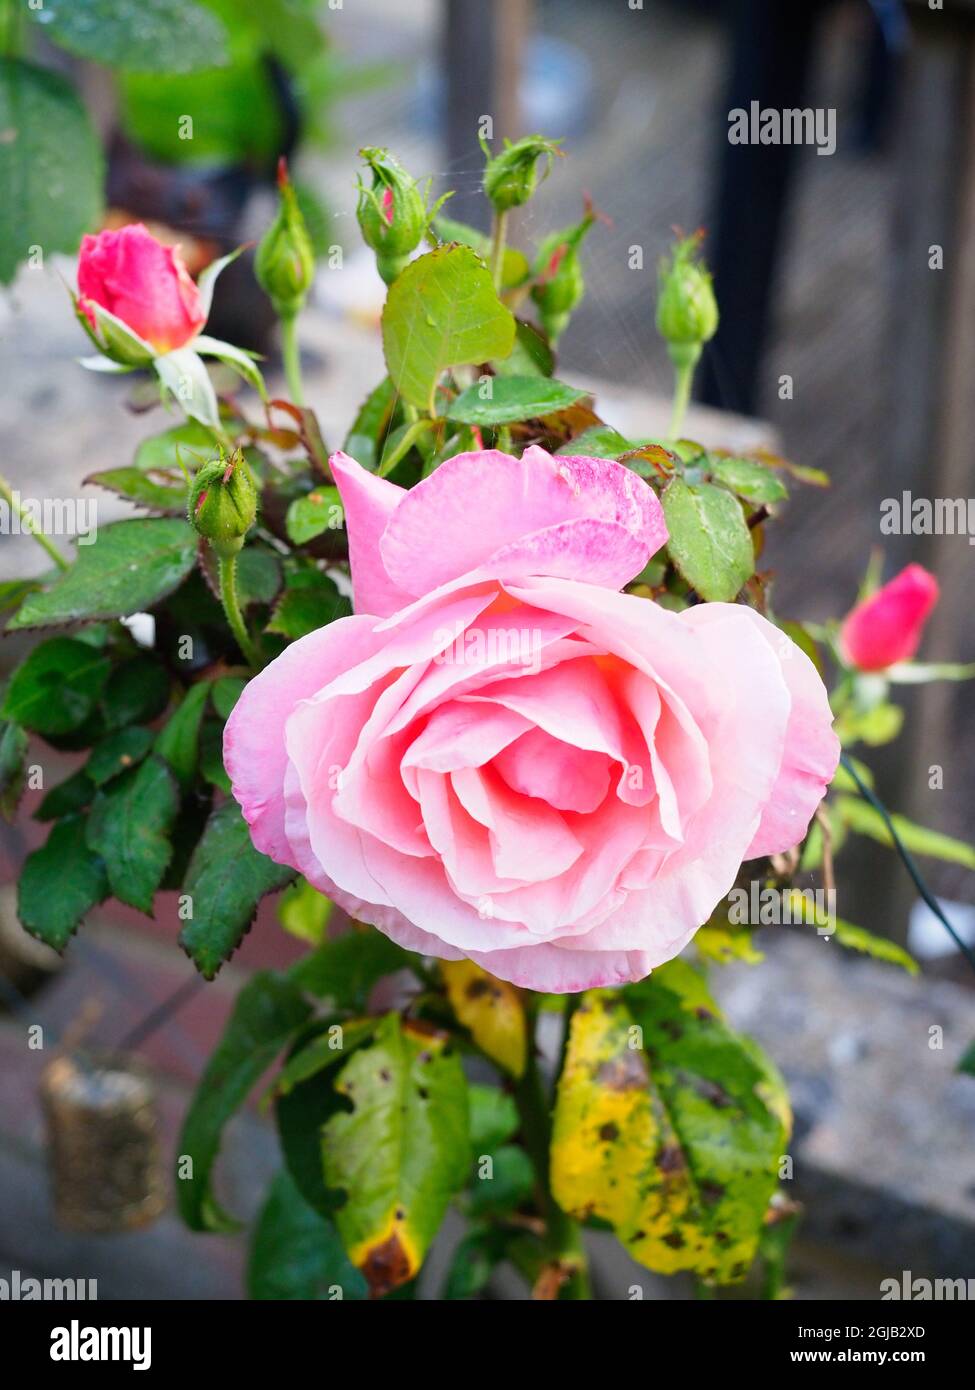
(501, 756)
(141, 282)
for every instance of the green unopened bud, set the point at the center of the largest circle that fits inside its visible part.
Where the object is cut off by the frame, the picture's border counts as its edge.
(285, 262)
(511, 177)
(223, 503)
(392, 212)
(559, 283)
(687, 311)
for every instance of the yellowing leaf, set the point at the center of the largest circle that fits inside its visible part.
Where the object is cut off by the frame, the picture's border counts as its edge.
(668, 1126)
(492, 1011)
(721, 942)
(614, 1153)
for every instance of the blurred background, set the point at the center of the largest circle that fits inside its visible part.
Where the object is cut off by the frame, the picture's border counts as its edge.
(827, 273)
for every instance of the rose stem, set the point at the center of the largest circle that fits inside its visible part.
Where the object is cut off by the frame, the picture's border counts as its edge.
(27, 521)
(292, 357)
(227, 572)
(499, 233)
(683, 380)
(536, 1131)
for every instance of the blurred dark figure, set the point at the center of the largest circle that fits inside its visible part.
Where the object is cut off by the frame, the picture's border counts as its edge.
(772, 60)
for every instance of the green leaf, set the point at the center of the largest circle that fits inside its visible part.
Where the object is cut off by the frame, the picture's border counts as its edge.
(861, 817)
(401, 1151)
(212, 769)
(371, 425)
(131, 566)
(117, 753)
(129, 827)
(858, 939)
(473, 1262)
(668, 1126)
(226, 692)
(296, 1254)
(268, 1012)
(135, 692)
(50, 165)
(512, 398)
(922, 672)
(504, 1186)
(319, 510)
(493, 1117)
(178, 743)
(14, 591)
(709, 541)
(13, 774)
(75, 793)
(514, 267)
(747, 478)
(157, 491)
(258, 576)
(531, 355)
(59, 883)
(967, 1064)
(442, 312)
(597, 442)
(137, 35)
(310, 601)
(300, 1112)
(226, 880)
(345, 970)
(329, 1046)
(189, 445)
(55, 688)
(304, 912)
(874, 727)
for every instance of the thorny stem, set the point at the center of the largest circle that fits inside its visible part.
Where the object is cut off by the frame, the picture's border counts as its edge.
(292, 358)
(227, 571)
(27, 521)
(561, 1232)
(499, 233)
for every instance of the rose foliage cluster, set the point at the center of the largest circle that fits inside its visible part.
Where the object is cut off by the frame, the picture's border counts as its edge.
(500, 700)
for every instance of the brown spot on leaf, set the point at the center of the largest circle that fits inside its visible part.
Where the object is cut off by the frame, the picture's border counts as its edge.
(476, 989)
(712, 1192)
(675, 1240)
(714, 1094)
(609, 1132)
(387, 1266)
(670, 1159)
(624, 1073)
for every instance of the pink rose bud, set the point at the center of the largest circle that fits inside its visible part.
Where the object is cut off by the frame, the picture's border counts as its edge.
(143, 283)
(886, 628)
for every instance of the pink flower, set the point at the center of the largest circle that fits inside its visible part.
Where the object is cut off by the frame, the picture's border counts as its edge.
(503, 757)
(141, 282)
(886, 628)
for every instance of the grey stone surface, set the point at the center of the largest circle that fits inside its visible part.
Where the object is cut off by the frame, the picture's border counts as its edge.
(885, 1126)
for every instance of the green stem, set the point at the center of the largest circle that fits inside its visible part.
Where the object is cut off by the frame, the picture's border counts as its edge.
(227, 571)
(562, 1234)
(12, 37)
(292, 358)
(27, 522)
(499, 234)
(683, 380)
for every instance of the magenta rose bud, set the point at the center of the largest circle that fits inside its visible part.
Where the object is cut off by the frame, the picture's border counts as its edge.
(143, 283)
(503, 756)
(886, 628)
